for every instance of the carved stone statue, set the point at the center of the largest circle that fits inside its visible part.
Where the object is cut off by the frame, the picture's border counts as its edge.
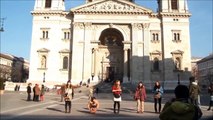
(43, 62)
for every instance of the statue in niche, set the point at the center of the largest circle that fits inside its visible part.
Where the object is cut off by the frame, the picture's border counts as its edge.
(177, 64)
(110, 40)
(43, 62)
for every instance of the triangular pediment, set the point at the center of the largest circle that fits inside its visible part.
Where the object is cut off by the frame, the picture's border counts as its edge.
(64, 51)
(156, 52)
(43, 50)
(111, 6)
(177, 52)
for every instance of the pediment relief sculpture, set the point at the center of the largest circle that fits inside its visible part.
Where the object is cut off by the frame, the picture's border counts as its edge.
(111, 6)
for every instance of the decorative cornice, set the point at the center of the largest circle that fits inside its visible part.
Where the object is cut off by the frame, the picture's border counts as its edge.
(175, 14)
(44, 12)
(112, 12)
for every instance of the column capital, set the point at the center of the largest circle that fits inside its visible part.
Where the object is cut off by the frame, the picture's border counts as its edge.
(137, 26)
(146, 25)
(88, 25)
(78, 25)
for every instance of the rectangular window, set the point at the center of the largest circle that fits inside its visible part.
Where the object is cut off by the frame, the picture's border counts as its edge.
(176, 35)
(155, 36)
(44, 33)
(66, 35)
(48, 3)
(174, 5)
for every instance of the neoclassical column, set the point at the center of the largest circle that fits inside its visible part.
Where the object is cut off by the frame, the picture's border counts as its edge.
(136, 30)
(146, 53)
(94, 59)
(86, 73)
(94, 47)
(125, 76)
(127, 46)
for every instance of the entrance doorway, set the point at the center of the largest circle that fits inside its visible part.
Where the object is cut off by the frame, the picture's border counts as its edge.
(111, 51)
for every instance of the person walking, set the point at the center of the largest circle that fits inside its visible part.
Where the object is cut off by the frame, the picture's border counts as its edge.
(93, 105)
(179, 107)
(42, 93)
(210, 91)
(29, 92)
(140, 96)
(116, 90)
(158, 91)
(194, 91)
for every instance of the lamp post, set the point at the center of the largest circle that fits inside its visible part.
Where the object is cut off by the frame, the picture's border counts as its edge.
(44, 77)
(178, 75)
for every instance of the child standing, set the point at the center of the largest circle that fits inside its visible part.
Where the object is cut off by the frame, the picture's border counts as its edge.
(116, 90)
(67, 100)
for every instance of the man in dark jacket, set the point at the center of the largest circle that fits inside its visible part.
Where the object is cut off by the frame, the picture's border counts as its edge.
(194, 91)
(179, 108)
(29, 92)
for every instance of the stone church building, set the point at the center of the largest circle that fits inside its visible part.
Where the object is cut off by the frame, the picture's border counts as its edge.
(110, 39)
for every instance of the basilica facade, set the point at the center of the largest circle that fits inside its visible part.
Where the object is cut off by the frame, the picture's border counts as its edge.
(110, 39)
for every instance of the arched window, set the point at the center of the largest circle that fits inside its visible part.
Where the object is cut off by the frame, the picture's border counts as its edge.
(178, 36)
(175, 36)
(43, 61)
(43, 35)
(156, 64)
(65, 62)
(153, 36)
(156, 35)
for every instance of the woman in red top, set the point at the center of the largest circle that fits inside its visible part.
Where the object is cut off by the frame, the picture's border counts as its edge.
(140, 96)
(116, 90)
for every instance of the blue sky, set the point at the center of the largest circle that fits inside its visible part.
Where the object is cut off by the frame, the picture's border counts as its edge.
(16, 39)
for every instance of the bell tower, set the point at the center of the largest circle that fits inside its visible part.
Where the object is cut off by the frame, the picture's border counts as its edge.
(172, 6)
(49, 5)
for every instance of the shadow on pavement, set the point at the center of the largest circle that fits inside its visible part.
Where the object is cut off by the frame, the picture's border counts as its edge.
(54, 109)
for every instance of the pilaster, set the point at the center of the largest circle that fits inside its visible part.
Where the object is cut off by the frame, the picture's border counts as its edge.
(146, 52)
